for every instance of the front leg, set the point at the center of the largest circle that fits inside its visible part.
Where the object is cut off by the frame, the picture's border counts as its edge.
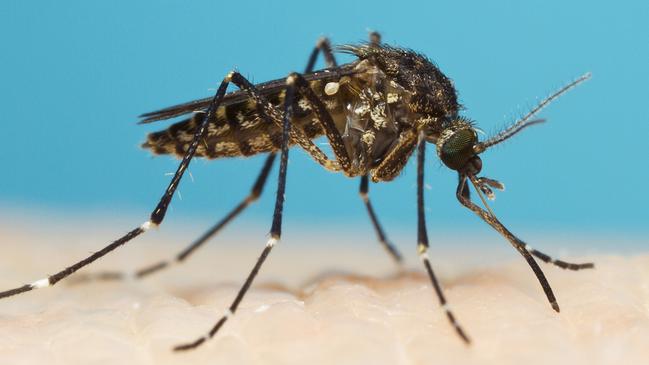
(422, 243)
(515, 241)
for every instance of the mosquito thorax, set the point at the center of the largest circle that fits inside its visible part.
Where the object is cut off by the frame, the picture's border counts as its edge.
(455, 147)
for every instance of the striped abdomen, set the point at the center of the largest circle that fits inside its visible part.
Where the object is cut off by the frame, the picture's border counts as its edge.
(239, 130)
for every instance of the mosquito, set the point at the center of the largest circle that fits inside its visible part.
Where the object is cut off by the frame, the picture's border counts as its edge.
(374, 112)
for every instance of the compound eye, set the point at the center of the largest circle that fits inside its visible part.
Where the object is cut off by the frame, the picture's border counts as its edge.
(457, 149)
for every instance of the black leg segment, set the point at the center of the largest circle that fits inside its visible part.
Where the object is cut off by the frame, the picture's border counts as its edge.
(323, 45)
(515, 241)
(422, 241)
(276, 227)
(145, 271)
(157, 216)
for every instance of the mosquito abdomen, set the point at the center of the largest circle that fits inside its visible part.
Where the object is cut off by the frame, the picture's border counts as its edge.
(239, 130)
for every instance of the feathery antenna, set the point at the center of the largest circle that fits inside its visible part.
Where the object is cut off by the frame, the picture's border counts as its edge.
(525, 121)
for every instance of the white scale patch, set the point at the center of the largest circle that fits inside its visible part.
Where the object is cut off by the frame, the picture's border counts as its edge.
(423, 253)
(42, 283)
(304, 104)
(227, 147)
(213, 129)
(259, 142)
(362, 109)
(183, 136)
(368, 138)
(392, 98)
(249, 123)
(378, 116)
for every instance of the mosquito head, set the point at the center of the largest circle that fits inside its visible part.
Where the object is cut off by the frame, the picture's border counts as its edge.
(456, 147)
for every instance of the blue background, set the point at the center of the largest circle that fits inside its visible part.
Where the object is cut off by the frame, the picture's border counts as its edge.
(75, 75)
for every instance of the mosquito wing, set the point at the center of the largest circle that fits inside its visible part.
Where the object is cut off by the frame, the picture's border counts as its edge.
(266, 89)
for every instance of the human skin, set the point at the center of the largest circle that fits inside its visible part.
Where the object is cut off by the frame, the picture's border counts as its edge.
(317, 304)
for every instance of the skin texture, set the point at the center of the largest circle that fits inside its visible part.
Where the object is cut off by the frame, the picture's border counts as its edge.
(343, 304)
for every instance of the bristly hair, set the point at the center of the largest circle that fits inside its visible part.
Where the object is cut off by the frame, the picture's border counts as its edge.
(363, 48)
(525, 121)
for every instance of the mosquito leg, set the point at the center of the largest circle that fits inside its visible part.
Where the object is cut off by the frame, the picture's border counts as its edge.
(252, 197)
(276, 227)
(562, 264)
(543, 257)
(515, 241)
(422, 242)
(254, 194)
(323, 45)
(322, 115)
(383, 240)
(157, 215)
